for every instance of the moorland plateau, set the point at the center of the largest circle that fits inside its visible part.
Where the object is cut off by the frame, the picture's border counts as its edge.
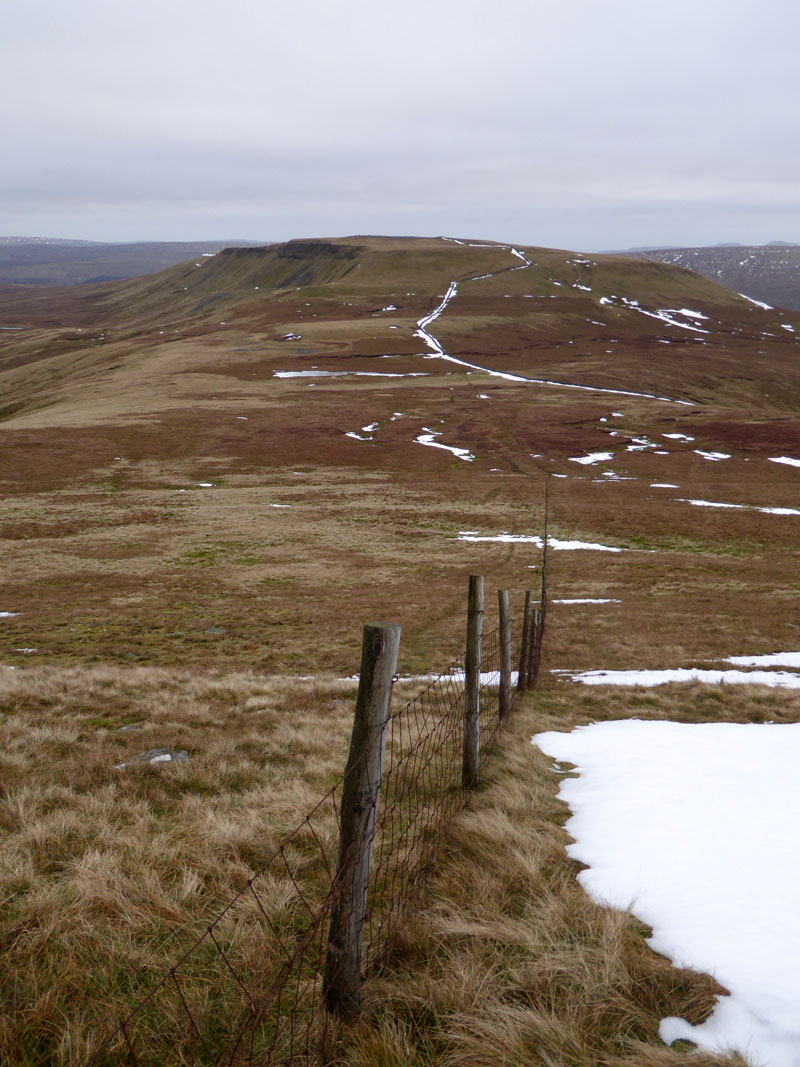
(214, 474)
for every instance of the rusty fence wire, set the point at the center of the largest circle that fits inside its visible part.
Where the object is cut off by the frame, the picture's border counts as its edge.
(249, 990)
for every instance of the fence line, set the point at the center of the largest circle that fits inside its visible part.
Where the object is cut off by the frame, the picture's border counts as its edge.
(266, 951)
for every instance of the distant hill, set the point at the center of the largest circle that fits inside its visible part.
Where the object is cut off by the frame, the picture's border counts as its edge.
(55, 261)
(64, 242)
(770, 273)
(343, 305)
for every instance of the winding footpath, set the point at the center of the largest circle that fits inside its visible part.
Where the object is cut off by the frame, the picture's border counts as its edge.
(438, 350)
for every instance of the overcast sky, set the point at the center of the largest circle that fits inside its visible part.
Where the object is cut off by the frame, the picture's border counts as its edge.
(589, 124)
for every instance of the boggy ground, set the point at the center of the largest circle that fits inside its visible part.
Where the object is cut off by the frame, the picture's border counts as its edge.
(185, 533)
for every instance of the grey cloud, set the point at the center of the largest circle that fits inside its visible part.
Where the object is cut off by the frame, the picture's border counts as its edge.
(578, 124)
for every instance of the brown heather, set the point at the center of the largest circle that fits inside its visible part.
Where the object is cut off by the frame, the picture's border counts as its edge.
(194, 615)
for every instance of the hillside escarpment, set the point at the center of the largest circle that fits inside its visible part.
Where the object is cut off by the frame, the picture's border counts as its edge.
(770, 273)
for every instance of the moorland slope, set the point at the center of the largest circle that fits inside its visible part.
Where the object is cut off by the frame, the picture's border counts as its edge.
(213, 475)
(260, 370)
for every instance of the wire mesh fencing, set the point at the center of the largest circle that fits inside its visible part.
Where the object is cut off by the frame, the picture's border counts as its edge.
(422, 789)
(251, 988)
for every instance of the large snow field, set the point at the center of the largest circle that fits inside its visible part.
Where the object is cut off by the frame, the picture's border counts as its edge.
(695, 829)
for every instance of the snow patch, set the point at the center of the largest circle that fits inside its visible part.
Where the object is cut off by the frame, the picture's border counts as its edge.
(775, 679)
(346, 373)
(428, 437)
(534, 539)
(773, 659)
(592, 458)
(588, 600)
(694, 829)
(713, 456)
(740, 507)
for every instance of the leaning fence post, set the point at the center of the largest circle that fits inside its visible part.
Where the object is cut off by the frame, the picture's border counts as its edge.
(470, 774)
(522, 674)
(341, 986)
(505, 654)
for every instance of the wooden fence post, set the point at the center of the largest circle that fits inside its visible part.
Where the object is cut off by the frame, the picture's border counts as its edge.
(533, 649)
(543, 597)
(522, 673)
(470, 774)
(341, 986)
(505, 654)
(541, 614)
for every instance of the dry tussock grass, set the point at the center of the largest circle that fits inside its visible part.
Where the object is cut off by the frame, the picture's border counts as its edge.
(106, 874)
(109, 873)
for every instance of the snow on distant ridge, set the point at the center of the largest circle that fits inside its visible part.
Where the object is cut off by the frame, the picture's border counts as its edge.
(758, 303)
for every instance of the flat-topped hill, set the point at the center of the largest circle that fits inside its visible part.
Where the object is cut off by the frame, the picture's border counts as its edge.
(606, 321)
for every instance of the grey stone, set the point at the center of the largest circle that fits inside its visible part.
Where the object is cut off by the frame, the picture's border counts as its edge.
(155, 756)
